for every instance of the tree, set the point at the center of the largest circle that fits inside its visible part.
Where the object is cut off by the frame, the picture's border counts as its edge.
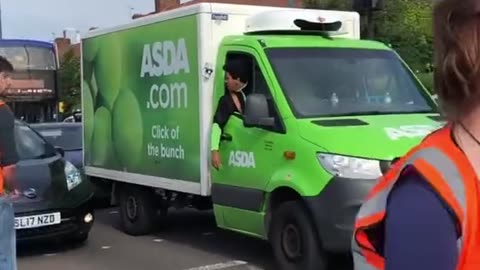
(70, 80)
(329, 4)
(407, 26)
(404, 24)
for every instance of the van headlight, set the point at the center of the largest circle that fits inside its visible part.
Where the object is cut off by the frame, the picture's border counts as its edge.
(73, 176)
(350, 167)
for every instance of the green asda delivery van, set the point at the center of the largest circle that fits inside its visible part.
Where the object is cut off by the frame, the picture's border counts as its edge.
(326, 114)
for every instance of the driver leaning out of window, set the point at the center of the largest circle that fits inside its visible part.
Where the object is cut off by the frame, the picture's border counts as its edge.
(233, 101)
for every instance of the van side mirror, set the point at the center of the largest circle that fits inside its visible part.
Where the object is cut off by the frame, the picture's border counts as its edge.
(256, 112)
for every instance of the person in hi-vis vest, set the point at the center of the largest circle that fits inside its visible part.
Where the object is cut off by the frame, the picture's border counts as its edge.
(8, 159)
(424, 213)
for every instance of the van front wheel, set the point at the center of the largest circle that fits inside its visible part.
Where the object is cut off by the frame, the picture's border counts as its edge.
(294, 240)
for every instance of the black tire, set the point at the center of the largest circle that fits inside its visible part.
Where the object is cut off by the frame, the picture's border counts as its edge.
(294, 240)
(137, 210)
(80, 238)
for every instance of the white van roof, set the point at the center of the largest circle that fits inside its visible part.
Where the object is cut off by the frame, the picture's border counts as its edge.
(261, 18)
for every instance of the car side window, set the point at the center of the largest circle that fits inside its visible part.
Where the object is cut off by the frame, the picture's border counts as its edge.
(29, 144)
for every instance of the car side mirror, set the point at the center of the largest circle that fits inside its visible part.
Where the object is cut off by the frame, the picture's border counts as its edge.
(60, 150)
(256, 112)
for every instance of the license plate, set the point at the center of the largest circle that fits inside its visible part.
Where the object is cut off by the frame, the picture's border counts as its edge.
(36, 221)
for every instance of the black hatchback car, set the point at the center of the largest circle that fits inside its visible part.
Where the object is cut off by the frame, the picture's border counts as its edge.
(69, 137)
(55, 200)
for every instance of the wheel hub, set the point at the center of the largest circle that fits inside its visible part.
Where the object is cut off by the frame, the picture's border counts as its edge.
(132, 207)
(292, 242)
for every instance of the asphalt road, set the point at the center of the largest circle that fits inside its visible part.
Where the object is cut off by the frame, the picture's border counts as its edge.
(189, 240)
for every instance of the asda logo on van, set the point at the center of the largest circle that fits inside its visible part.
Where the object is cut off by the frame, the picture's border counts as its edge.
(241, 159)
(164, 59)
(410, 131)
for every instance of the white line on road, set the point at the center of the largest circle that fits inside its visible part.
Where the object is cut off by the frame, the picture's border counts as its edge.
(251, 267)
(219, 265)
(106, 247)
(113, 212)
(158, 240)
(50, 254)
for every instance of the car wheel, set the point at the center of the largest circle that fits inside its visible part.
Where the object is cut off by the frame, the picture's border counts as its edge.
(137, 210)
(294, 239)
(80, 238)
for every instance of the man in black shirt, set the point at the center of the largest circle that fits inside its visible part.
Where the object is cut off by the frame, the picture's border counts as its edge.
(8, 153)
(233, 101)
(8, 159)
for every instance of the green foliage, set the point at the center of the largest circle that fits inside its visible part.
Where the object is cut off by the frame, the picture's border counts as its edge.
(404, 24)
(329, 4)
(407, 26)
(69, 81)
(427, 80)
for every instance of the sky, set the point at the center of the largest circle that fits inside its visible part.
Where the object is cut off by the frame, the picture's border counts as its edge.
(44, 19)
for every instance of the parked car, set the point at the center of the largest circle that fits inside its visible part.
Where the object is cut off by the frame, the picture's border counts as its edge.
(68, 137)
(55, 200)
(64, 135)
(75, 117)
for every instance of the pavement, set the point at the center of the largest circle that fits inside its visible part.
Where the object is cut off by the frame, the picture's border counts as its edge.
(188, 240)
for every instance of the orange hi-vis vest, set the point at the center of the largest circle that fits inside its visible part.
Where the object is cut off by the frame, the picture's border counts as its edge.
(448, 171)
(2, 181)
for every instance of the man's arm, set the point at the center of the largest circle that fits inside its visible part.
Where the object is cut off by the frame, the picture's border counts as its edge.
(220, 118)
(8, 151)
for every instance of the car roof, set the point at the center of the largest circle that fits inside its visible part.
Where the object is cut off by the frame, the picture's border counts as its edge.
(56, 124)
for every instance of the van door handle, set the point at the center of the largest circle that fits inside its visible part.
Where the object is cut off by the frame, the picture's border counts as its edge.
(226, 137)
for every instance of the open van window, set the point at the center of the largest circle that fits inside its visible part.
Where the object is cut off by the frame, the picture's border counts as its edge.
(347, 81)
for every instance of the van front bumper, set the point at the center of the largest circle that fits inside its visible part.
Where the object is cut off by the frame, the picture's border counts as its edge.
(334, 211)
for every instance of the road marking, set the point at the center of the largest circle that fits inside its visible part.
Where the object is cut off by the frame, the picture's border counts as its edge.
(219, 265)
(106, 247)
(252, 267)
(113, 212)
(158, 240)
(50, 254)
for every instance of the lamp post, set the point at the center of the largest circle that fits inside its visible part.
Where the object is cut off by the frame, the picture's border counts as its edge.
(367, 8)
(77, 37)
(1, 32)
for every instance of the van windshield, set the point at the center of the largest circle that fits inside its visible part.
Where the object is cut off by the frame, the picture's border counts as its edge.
(344, 81)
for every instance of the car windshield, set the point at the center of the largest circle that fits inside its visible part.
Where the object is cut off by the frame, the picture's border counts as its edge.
(30, 145)
(343, 81)
(67, 137)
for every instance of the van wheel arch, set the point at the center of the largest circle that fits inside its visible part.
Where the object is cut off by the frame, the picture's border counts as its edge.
(279, 196)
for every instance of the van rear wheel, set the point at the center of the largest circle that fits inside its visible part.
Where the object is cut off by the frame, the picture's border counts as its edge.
(137, 210)
(294, 240)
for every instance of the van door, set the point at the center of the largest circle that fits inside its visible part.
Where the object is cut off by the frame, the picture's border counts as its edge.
(248, 156)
